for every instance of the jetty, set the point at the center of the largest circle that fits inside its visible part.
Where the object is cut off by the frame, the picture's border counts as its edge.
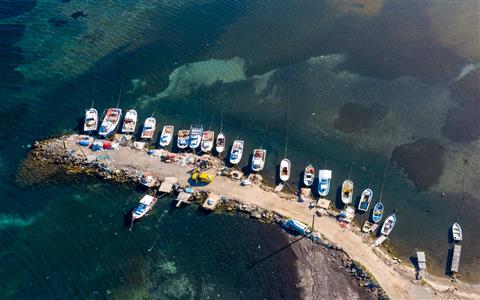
(211, 202)
(457, 250)
(183, 198)
(422, 264)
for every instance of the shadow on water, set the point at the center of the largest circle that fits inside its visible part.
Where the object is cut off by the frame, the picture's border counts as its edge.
(127, 218)
(449, 260)
(247, 169)
(414, 261)
(338, 198)
(277, 174)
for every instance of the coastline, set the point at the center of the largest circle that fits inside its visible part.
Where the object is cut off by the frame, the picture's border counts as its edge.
(126, 165)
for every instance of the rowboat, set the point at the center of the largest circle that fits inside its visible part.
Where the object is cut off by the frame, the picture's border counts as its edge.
(377, 212)
(110, 122)
(220, 143)
(457, 232)
(258, 159)
(195, 137)
(324, 177)
(285, 169)
(149, 128)
(388, 225)
(130, 121)
(367, 226)
(347, 191)
(365, 200)
(145, 205)
(237, 151)
(207, 141)
(298, 226)
(91, 120)
(167, 135)
(183, 138)
(309, 175)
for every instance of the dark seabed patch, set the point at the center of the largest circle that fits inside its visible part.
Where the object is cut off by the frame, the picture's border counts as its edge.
(354, 117)
(422, 161)
(10, 9)
(11, 56)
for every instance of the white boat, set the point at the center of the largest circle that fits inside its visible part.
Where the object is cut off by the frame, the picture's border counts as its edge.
(207, 141)
(347, 191)
(324, 177)
(148, 128)
(258, 159)
(167, 135)
(195, 137)
(110, 122)
(91, 120)
(388, 225)
(236, 153)
(377, 212)
(130, 121)
(145, 205)
(457, 232)
(309, 175)
(183, 138)
(298, 226)
(220, 143)
(365, 200)
(285, 168)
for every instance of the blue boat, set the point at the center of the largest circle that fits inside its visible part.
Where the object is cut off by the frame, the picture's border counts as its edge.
(324, 177)
(110, 122)
(298, 226)
(145, 205)
(377, 212)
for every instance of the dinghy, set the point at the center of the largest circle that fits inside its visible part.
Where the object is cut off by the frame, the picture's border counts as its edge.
(91, 120)
(298, 226)
(365, 200)
(220, 143)
(130, 121)
(195, 137)
(309, 175)
(110, 122)
(285, 168)
(388, 225)
(167, 135)
(457, 232)
(207, 141)
(148, 128)
(236, 153)
(377, 212)
(347, 191)
(367, 226)
(183, 138)
(258, 159)
(324, 177)
(145, 205)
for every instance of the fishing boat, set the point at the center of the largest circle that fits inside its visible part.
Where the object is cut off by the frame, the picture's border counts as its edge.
(195, 137)
(388, 225)
(91, 120)
(220, 143)
(457, 232)
(149, 128)
(183, 138)
(130, 121)
(237, 151)
(145, 205)
(258, 159)
(298, 226)
(347, 191)
(110, 122)
(377, 212)
(324, 177)
(285, 168)
(207, 141)
(309, 175)
(365, 200)
(167, 135)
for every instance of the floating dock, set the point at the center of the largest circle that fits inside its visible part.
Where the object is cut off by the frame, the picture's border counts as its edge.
(183, 197)
(422, 264)
(211, 202)
(457, 250)
(380, 240)
(167, 185)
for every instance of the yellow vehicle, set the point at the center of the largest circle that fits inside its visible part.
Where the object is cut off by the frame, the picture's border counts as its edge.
(202, 176)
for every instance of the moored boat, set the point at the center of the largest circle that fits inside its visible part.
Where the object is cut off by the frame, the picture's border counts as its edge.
(258, 159)
(309, 175)
(220, 143)
(347, 191)
(365, 200)
(167, 135)
(110, 122)
(130, 121)
(91, 120)
(324, 177)
(148, 128)
(183, 138)
(367, 226)
(195, 137)
(145, 205)
(457, 232)
(378, 212)
(298, 226)
(388, 225)
(207, 141)
(285, 169)
(237, 151)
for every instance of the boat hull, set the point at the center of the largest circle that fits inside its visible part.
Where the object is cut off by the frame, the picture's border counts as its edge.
(324, 177)
(110, 122)
(365, 200)
(377, 212)
(309, 175)
(91, 120)
(388, 225)
(298, 226)
(457, 232)
(195, 138)
(285, 168)
(258, 159)
(130, 121)
(149, 128)
(183, 139)
(167, 135)
(220, 143)
(237, 152)
(207, 141)
(347, 192)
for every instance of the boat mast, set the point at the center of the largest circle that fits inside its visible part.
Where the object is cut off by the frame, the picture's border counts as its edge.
(120, 93)
(383, 179)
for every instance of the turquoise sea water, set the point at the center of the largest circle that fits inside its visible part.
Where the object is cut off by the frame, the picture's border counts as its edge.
(275, 70)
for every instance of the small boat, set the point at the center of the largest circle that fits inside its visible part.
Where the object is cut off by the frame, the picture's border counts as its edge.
(220, 143)
(377, 212)
(367, 226)
(324, 177)
(309, 175)
(237, 151)
(365, 200)
(195, 137)
(207, 141)
(457, 232)
(298, 226)
(148, 128)
(147, 179)
(388, 225)
(183, 138)
(258, 159)
(130, 121)
(146, 204)
(285, 168)
(91, 120)
(347, 191)
(110, 122)
(167, 135)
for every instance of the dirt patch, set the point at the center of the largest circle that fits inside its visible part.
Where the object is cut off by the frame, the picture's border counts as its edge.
(354, 117)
